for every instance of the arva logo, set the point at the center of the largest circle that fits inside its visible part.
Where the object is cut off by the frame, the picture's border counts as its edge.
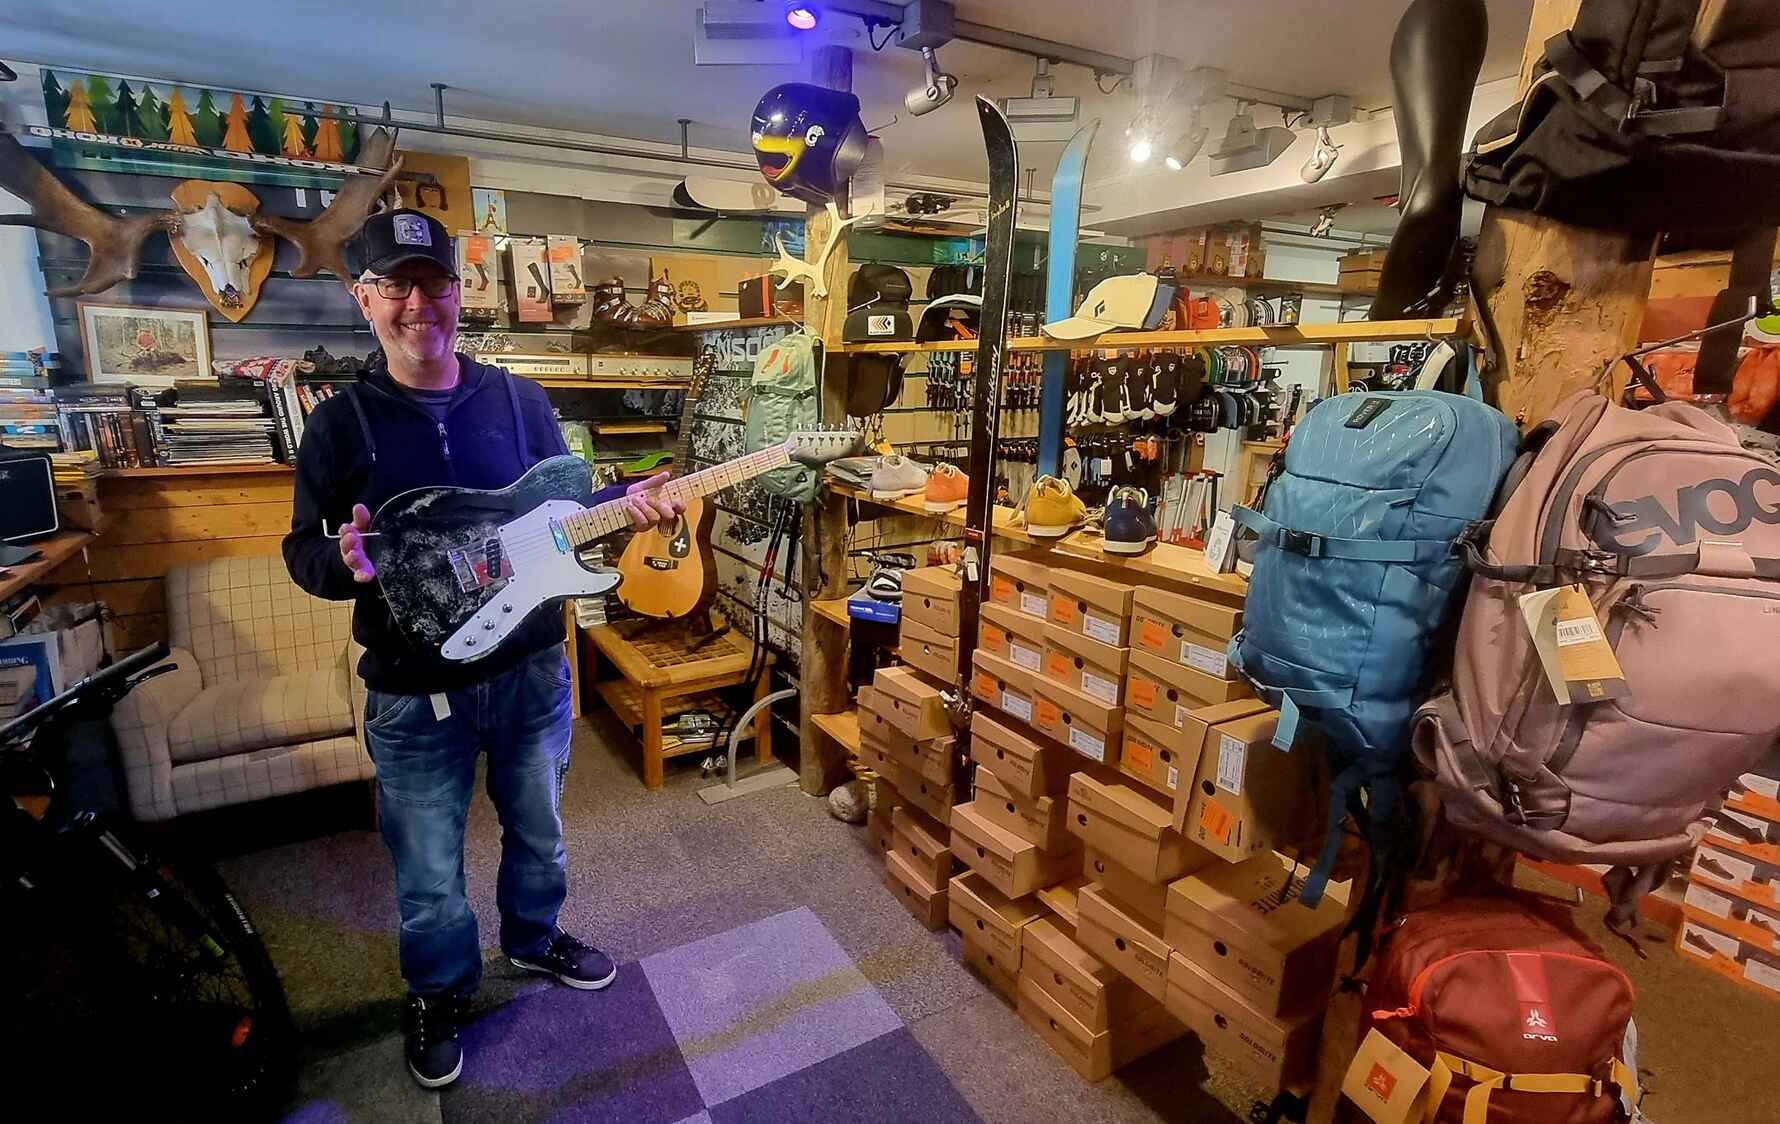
(1753, 499)
(1536, 1027)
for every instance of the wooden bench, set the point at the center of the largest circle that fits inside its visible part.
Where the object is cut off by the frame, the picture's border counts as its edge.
(659, 662)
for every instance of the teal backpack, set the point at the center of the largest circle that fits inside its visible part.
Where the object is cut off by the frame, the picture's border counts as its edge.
(783, 397)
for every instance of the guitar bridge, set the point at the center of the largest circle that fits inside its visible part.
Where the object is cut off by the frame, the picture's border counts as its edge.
(480, 566)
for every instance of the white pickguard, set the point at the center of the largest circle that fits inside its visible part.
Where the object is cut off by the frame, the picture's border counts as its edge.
(541, 573)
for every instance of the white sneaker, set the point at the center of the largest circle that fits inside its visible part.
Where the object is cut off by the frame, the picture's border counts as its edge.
(896, 477)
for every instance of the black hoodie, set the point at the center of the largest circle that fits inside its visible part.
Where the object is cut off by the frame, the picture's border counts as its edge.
(477, 446)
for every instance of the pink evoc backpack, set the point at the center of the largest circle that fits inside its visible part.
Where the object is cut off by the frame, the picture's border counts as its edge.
(1673, 529)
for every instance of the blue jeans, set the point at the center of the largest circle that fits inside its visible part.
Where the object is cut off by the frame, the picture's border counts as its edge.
(426, 771)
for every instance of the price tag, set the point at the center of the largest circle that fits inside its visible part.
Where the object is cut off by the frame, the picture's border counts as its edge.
(994, 638)
(1017, 705)
(1138, 755)
(1766, 975)
(1152, 636)
(1102, 629)
(562, 251)
(1143, 692)
(1216, 821)
(476, 249)
(1049, 713)
(1021, 656)
(1002, 590)
(1212, 661)
(1232, 764)
(1087, 744)
(1032, 604)
(1058, 666)
(1099, 687)
(1173, 777)
(1063, 611)
(1578, 662)
(986, 687)
(1180, 715)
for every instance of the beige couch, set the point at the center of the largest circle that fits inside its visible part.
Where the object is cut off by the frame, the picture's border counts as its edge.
(264, 702)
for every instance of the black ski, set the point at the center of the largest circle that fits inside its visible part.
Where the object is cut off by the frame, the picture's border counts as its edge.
(998, 262)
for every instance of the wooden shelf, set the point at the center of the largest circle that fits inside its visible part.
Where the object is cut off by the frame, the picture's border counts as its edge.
(612, 384)
(1265, 284)
(199, 470)
(621, 429)
(60, 547)
(834, 609)
(842, 727)
(1178, 565)
(746, 322)
(1278, 335)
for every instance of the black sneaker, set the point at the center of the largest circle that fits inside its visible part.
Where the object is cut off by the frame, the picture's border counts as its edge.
(578, 965)
(429, 1034)
(1130, 528)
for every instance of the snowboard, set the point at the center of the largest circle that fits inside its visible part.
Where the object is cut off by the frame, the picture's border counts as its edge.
(1066, 222)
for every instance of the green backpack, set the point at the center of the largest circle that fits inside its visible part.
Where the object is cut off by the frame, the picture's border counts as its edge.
(783, 397)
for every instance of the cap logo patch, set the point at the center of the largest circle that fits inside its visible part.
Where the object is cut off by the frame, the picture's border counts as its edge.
(411, 230)
(1099, 309)
(880, 325)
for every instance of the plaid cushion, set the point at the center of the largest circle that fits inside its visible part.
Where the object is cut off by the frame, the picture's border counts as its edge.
(262, 713)
(243, 618)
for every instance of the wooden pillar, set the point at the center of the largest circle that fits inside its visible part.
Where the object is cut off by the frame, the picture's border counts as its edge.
(1565, 301)
(823, 676)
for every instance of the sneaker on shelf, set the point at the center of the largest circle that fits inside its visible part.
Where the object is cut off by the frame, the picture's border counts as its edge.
(1053, 509)
(896, 477)
(885, 584)
(580, 966)
(947, 487)
(1129, 526)
(429, 1039)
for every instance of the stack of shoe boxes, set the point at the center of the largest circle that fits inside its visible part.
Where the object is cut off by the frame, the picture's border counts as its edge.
(905, 734)
(1731, 908)
(1009, 657)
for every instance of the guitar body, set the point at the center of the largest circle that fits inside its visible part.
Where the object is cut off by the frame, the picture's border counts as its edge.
(671, 571)
(463, 569)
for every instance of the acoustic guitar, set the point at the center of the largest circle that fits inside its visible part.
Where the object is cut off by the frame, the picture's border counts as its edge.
(671, 571)
(463, 569)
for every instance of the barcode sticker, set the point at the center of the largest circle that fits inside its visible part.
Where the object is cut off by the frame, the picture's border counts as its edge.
(1101, 628)
(1701, 898)
(1212, 661)
(1232, 764)
(1017, 706)
(1087, 744)
(1180, 716)
(1173, 777)
(1032, 604)
(1029, 658)
(1579, 630)
(1096, 687)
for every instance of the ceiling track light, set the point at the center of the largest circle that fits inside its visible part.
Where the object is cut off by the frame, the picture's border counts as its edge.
(936, 89)
(802, 15)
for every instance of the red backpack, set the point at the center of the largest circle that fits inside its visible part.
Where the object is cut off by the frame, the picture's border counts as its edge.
(1516, 1015)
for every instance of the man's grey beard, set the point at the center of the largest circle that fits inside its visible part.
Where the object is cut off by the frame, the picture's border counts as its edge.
(407, 353)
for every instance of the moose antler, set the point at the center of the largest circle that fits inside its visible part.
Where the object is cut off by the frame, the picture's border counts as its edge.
(114, 241)
(793, 269)
(321, 241)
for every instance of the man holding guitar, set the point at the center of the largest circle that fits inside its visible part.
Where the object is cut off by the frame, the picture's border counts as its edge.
(423, 416)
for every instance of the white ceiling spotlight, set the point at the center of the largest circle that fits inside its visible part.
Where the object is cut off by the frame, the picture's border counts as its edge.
(1170, 110)
(1245, 147)
(1322, 157)
(1043, 117)
(1187, 143)
(935, 91)
(802, 15)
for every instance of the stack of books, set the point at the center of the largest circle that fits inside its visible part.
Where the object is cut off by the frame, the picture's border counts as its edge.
(27, 410)
(103, 418)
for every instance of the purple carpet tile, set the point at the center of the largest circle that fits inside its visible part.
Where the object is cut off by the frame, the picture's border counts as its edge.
(767, 999)
(889, 1079)
(557, 1054)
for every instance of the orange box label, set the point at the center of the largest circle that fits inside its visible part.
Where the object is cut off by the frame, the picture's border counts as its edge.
(1049, 713)
(1138, 755)
(1143, 692)
(1217, 821)
(1000, 589)
(1057, 666)
(993, 637)
(1153, 637)
(1063, 611)
(987, 687)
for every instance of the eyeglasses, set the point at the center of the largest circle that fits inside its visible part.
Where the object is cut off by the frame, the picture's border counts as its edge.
(398, 288)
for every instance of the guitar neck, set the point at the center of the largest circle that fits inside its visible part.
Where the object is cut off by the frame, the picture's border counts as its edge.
(606, 518)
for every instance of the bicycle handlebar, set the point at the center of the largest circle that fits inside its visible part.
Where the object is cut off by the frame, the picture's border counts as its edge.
(90, 687)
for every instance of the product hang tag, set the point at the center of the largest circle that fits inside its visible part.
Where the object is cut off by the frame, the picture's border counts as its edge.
(441, 706)
(1220, 547)
(1578, 661)
(1385, 1083)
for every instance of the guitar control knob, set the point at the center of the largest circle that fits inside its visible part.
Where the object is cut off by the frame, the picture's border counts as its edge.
(469, 641)
(506, 608)
(487, 626)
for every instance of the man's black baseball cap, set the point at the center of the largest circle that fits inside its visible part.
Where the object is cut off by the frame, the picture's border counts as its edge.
(392, 237)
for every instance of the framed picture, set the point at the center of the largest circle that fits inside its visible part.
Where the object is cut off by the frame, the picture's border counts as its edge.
(147, 346)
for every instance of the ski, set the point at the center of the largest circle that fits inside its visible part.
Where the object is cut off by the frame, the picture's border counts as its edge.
(998, 262)
(1066, 225)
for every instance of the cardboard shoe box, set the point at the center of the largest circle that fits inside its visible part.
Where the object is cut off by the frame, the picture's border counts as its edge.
(926, 650)
(1135, 949)
(1012, 636)
(1081, 983)
(1186, 630)
(1086, 725)
(1027, 765)
(930, 599)
(1084, 664)
(931, 759)
(927, 905)
(1276, 1053)
(1095, 1056)
(1247, 795)
(1747, 878)
(1166, 692)
(1038, 820)
(1021, 583)
(990, 918)
(872, 754)
(919, 792)
(1010, 864)
(1126, 825)
(911, 703)
(1151, 754)
(921, 843)
(1243, 924)
(1090, 606)
(1756, 927)
(1752, 836)
(1064, 902)
(993, 966)
(1127, 889)
(1002, 685)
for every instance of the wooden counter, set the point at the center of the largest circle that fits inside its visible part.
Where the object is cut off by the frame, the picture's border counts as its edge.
(55, 550)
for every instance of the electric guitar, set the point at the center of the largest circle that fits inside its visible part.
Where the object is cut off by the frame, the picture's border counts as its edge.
(463, 569)
(670, 570)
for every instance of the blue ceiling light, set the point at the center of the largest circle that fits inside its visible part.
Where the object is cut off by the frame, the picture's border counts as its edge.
(801, 14)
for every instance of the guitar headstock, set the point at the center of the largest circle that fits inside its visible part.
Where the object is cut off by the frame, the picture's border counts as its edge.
(816, 447)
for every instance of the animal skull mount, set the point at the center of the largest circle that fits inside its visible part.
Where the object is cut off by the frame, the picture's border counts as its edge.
(115, 242)
(219, 247)
(815, 271)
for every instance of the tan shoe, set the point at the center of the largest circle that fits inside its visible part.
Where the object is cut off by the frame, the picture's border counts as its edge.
(1053, 509)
